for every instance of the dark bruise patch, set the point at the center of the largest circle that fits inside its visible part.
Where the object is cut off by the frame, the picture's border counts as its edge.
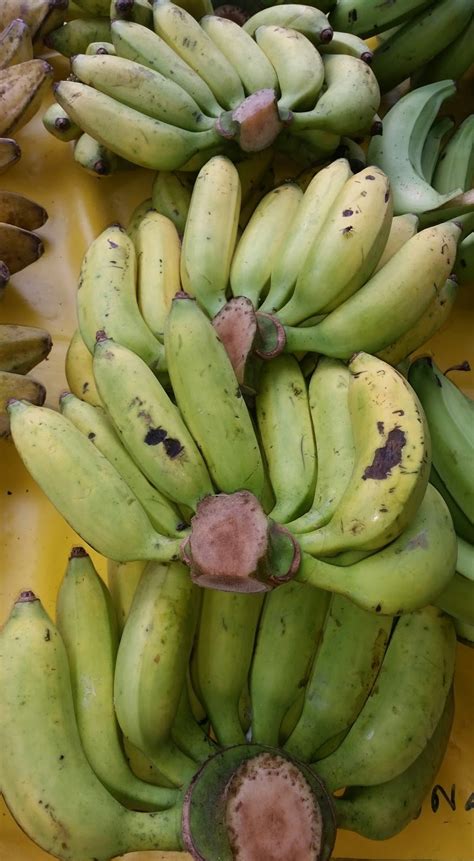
(387, 457)
(154, 436)
(91, 435)
(346, 230)
(380, 427)
(398, 412)
(172, 446)
(112, 244)
(386, 197)
(47, 635)
(347, 212)
(369, 176)
(352, 16)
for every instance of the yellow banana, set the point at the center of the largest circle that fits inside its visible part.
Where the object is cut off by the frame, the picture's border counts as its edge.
(79, 374)
(158, 248)
(298, 65)
(402, 228)
(22, 347)
(171, 196)
(252, 66)
(122, 580)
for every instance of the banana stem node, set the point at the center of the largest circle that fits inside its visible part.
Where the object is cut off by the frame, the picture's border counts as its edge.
(255, 123)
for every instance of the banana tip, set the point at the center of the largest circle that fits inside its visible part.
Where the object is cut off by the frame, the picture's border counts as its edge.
(78, 553)
(26, 597)
(326, 35)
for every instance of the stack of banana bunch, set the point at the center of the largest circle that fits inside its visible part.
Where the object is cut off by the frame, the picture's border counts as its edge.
(169, 93)
(21, 349)
(427, 41)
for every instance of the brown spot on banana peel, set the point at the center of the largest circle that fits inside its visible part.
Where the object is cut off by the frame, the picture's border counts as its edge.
(387, 456)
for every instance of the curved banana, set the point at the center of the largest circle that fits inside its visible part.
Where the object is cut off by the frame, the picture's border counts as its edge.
(10, 152)
(57, 122)
(457, 599)
(16, 45)
(100, 48)
(250, 62)
(224, 648)
(151, 665)
(390, 730)
(465, 560)
(463, 526)
(433, 145)
(286, 433)
(209, 398)
(43, 760)
(297, 63)
(106, 297)
(85, 488)
(307, 223)
(22, 347)
(94, 423)
(402, 228)
(451, 63)
(347, 248)
(190, 737)
(137, 216)
(23, 88)
(122, 581)
(139, 11)
(348, 43)
(18, 247)
(251, 172)
(171, 196)
(86, 621)
(261, 241)
(360, 16)
(210, 233)
(183, 33)
(150, 425)
(464, 269)
(455, 167)
(96, 158)
(74, 36)
(390, 303)
(332, 425)
(21, 387)
(288, 634)
(345, 667)
(79, 374)
(158, 250)
(308, 20)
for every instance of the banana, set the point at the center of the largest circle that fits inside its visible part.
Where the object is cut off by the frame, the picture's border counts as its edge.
(47, 782)
(171, 196)
(298, 65)
(20, 211)
(349, 102)
(142, 89)
(390, 303)
(452, 62)
(433, 144)
(22, 88)
(455, 167)
(402, 228)
(465, 560)
(312, 22)
(100, 48)
(37, 14)
(261, 241)
(151, 664)
(399, 151)
(419, 40)
(390, 730)
(74, 36)
(97, 159)
(10, 153)
(122, 581)
(391, 462)
(288, 633)
(17, 386)
(137, 216)
(15, 44)
(78, 480)
(346, 249)
(106, 297)
(139, 11)
(22, 347)
(129, 133)
(142, 45)
(224, 648)
(158, 249)
(150, 425)
(463, 526)
(86, 621)
(94, 423)
(190, 737)
(449, 414)
(286, 434)
(362, 18)
(210, 233)
(416, 567)
(329, 406)
(57, 123)
(208, 396)
(255, 71)
(183, 33)
(381, 811)
(348, 43)
(307, 223)
(78, 368)
(464, 269)
(251, 171)
(430, 322)
(18, 247)
(457, 599)
(348, 658)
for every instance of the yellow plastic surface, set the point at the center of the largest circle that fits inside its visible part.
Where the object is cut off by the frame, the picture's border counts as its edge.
(35, 540)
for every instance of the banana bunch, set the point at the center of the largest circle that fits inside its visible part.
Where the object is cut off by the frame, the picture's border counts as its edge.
(21, 349)
(161, 89)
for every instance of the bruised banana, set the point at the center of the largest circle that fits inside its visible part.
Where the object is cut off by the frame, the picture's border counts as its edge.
(15, 43)
(21, 387)
(20, 211)
(19, 248)
(22, 347)
(22, 90)
(10, 152)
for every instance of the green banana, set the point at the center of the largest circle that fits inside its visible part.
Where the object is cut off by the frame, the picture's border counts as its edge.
(346, 249)
(85, 618)
(390, 303)
(452, 62)
(464, 633)
(224, 649)
(419, 40)
(135, 42)
(47, 782)
(432, 146)
(158, 250)
(391, 728)
(308, 20)
(381, 811)
(458, 599)
(106, 297)
(329, 406)
(96, 158)
(122, 581)
(463, 526)
(138, 11)
(286, 435)
(94, 48)
(129, 133)
(345, 667)
(250, 62)
(298, 65)
(365, 19)
(348, 43)
(262, 240)
(210, 233)
(455, 167)
(208, 395)
(73, 37)
(95, 424)
(407, 574)
(307, 223)
(171, 196)
(151, 664)
(465, 561)
(287, 638)
(150, 425)
(84, 486)
(464, 269)
(58, 123)
(189, 736)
